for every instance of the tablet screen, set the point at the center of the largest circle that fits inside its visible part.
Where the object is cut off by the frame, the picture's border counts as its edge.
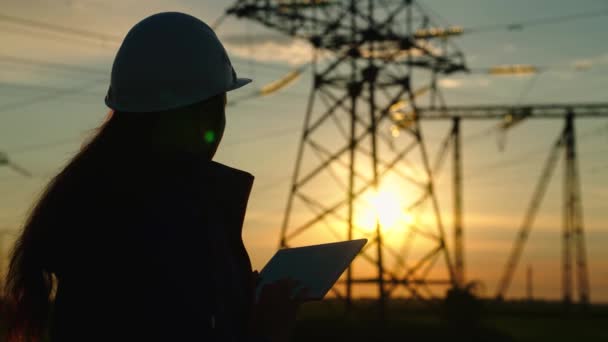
(316, 267)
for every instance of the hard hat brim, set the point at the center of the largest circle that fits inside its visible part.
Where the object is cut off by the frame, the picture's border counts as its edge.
(240, 82)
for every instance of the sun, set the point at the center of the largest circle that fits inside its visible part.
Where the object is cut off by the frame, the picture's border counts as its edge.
(385, 206)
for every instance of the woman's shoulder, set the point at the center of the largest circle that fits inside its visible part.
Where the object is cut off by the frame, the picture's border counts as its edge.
(220, 169)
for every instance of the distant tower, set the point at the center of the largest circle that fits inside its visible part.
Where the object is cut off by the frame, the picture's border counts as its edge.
(573, 236)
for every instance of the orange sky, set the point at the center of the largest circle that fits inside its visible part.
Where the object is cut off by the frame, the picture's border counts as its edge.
(262, 135)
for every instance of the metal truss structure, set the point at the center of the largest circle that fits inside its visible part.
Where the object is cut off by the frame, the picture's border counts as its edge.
(365, 53)
(346, 156)
(574, 256)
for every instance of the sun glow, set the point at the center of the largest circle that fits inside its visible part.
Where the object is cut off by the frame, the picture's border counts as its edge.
(386, 207)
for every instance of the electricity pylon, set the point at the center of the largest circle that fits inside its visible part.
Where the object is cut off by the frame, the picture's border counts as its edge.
(575, 273)
(365, 53)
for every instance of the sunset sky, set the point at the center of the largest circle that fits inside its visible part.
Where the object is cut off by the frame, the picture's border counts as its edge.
(262, 134)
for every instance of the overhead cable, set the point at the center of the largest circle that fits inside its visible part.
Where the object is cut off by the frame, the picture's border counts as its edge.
(60, 29)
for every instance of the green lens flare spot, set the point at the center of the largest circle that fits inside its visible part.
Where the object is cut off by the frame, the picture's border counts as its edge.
(209, 136)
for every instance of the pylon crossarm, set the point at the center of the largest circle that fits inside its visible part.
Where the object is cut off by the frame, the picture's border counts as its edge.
(531, 111)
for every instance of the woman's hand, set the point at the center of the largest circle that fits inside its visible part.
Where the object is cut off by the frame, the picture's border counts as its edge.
(274, 313)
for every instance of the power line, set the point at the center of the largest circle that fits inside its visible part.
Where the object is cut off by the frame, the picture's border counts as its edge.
(509, 179)
(102, 37)
(518, 160)
(60, 29)
(36, 87)
(261, 65)
(265, 136)
(43, 146)
(50, 36)
(52, 96)
(50, 65)
(61, 92)
(531, 69)
(81, 69)
(516, 26)
(271, 185)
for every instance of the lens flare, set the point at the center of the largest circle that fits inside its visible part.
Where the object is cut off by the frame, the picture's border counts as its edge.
(386, 207)
(209, 137)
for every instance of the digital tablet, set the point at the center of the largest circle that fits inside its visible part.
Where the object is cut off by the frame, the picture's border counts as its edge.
(316, 267)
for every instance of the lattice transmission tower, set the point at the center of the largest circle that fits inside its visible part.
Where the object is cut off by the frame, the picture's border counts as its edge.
(362, 147)
(575, 273)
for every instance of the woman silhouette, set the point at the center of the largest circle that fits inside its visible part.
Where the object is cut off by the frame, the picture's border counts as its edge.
(138, 238)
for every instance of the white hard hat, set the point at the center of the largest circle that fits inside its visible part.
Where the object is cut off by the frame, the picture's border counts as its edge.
(169, 60)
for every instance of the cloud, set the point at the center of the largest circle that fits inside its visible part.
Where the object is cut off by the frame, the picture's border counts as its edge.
(581, 64)
(578, 65)
(509, 48)
(483, 82)
(256, 39)
(293, 52)
(450, 83)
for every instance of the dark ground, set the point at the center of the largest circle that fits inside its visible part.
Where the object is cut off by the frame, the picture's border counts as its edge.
(512, 321)
(407, 321)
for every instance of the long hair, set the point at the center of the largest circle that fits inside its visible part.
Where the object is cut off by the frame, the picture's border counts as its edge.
(137, 142)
